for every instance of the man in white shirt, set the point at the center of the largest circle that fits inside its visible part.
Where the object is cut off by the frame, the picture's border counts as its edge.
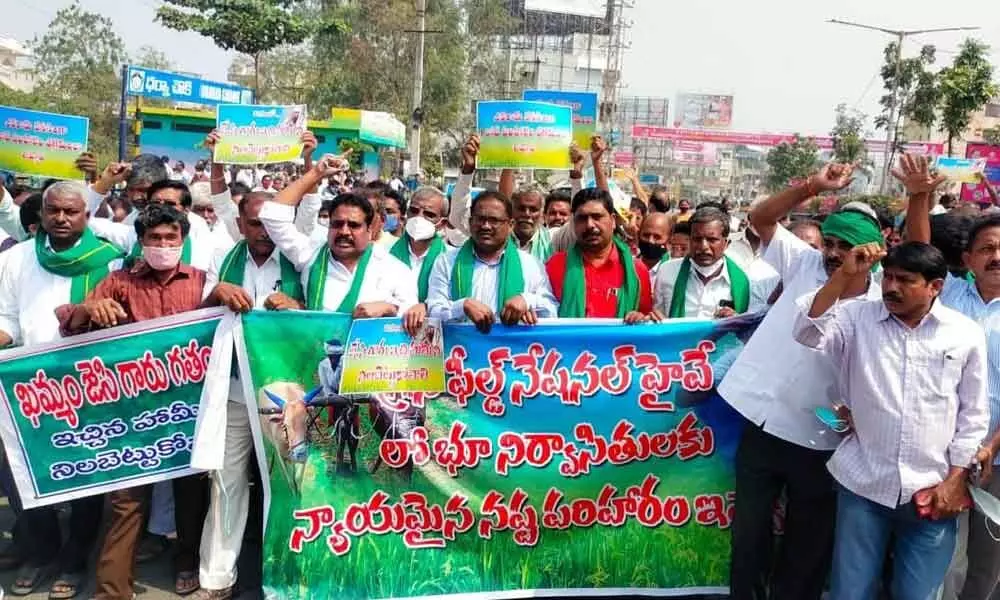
(421, 243)
(777, 386)
(347, 272)
(654, 237)
(708, 284)
(912, 372)
(61, 265)
(253, 275)
(489, 279)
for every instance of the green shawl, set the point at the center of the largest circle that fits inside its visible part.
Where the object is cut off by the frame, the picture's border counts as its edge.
(574, 292)
(401, 250)
(136, 253)
(511, 280)
(739, 286)
(316, 285)
(85, 263)
(235, 263)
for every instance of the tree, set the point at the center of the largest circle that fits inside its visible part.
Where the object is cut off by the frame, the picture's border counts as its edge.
(287, 75)
(78, 60)
(917, 94)
(788, 161)
(251, 27)
(848, 136)
(966, 87)
(992, 136)
(151, 58)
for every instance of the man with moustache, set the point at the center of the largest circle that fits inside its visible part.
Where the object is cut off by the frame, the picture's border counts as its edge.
(977, 557)
(777, 386)
(912, 373)
(708, 284)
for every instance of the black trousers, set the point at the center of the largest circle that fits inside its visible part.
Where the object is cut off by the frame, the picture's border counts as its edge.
(765, 465)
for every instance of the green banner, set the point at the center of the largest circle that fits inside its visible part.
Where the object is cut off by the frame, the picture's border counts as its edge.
(567, 459)
(105, 410)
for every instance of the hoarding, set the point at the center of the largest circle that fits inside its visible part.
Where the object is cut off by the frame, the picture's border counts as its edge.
(703, 111)
(585, 8)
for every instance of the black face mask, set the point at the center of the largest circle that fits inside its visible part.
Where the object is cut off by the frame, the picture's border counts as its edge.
(651, 251)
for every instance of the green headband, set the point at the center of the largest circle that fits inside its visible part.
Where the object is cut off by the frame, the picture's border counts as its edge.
(852, 227)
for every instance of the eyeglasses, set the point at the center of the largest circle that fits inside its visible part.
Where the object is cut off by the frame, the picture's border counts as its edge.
(480, 220)
(337, 224)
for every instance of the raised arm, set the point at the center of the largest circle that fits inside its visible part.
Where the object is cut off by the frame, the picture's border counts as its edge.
(765, 215)
(507, 184)
(278, 215)
(914, 173)
(461, 196)
(637, 189)
(597, 149)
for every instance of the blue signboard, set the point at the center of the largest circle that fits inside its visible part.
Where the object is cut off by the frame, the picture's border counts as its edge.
(181, 88)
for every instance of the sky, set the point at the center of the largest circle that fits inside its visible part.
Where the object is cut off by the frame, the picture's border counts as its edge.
(785, 65)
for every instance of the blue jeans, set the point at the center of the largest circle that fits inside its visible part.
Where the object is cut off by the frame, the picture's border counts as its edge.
(921, 550)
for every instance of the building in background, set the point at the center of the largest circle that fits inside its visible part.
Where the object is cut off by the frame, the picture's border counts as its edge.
(16, 65)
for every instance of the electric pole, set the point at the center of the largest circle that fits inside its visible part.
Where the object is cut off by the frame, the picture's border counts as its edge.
(416, 117)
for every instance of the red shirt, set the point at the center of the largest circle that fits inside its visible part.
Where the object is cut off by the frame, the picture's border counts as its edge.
(142, 295)
(603, 283)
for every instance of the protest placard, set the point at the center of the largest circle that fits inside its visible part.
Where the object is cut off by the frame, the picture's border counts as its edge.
(259, 134)
(523, 135)
(41, 143)
(583, 104)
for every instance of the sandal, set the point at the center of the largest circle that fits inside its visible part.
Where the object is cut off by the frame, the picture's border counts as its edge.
(27, 580)
(224, 594)
(186, 583)
(66, 586)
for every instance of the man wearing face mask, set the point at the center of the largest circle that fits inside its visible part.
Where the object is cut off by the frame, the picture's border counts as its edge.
(777, 387)
(489, 279)
(347, 272)
(420, 246)
(158, 285)
(707, 284)
(654, 237)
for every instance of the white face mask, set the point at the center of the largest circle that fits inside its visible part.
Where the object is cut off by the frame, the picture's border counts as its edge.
(709, 270)
(323, 222)
(420, 229)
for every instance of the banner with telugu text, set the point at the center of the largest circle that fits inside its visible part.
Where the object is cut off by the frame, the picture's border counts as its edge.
(105, 410)
(41, 143)
(523, 135)
(574, 458)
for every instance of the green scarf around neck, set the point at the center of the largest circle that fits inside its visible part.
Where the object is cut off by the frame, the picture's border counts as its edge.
(85, 263)
(574, 293)
(316, 285)
(235, 264)
(401, 250)
(511, 279)
(739, 287)
(136, 253)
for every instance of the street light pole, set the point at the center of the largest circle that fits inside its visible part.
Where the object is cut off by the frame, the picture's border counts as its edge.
(900, 35)
(418, 88)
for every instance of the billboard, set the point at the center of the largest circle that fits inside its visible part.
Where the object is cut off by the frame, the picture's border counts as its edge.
(182, 88)
(703, 111)
(584, 8)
